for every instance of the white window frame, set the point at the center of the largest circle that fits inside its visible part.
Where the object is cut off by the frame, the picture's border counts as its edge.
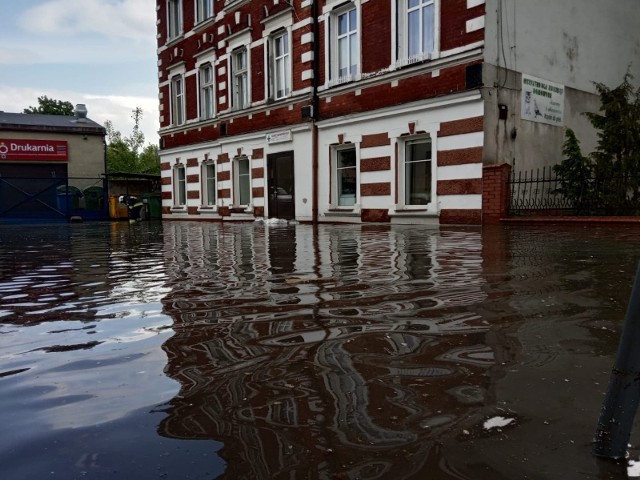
(177, 94)
(179, 185)
(240, 97)
(174, 19)
(404, 143)
(401, 10)
(207, 91)
(336, 200)
(209, 200)
(203, 10)
(335, 37)
(279, 66)
(238, 178)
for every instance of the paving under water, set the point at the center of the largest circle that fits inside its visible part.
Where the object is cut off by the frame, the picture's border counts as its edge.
(267, 351)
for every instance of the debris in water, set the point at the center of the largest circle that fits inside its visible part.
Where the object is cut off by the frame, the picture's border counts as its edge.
(498, 422)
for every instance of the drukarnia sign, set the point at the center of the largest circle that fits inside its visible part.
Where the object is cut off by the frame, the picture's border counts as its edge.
(34, 150)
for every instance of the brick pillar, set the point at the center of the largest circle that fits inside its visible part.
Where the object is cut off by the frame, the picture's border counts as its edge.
(495, 193)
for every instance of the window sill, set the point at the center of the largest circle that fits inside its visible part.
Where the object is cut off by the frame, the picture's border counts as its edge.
(180, 209)
(174, 41)
(208, 209)
(203, 24)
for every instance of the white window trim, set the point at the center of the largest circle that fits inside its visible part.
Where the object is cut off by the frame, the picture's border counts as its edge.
(334, 178)
(432, 206)
(176, 186)
(206, 204)
(270, 81)
(399, 35)
(331, 44)
(173, 35)
(233, 102)
(173, 100)
(236, 184)
(208, 16)
(200, 67)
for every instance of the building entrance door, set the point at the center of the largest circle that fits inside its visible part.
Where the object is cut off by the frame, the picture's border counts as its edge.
(280, 185)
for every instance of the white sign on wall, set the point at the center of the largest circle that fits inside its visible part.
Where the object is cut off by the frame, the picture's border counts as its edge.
(542, 101)
(278, 137)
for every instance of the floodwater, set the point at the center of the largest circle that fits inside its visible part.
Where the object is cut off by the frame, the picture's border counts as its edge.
(271, 351)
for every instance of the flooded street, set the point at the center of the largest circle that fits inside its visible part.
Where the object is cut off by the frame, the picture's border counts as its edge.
(198, 351)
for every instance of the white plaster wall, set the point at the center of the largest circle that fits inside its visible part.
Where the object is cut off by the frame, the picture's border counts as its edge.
(572, 42)
(300, 144)
(427, 116)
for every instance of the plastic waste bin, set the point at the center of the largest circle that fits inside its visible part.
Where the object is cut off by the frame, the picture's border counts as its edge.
(93, 198)
(154, 205)
(117, 210)
(68, 198)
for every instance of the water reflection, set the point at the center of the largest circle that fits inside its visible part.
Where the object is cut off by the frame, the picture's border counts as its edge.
(360, 352)
(336, 351)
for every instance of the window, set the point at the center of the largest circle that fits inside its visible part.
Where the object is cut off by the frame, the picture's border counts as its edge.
(180, 185)
(280, 65)
(345, 49)
(417, 172)
(174, 19)
(177, 100)
(240, 79)
(204, 10)
(209, 183)
(346, 177)
(416, 30)
(205, 77)
(242, 182)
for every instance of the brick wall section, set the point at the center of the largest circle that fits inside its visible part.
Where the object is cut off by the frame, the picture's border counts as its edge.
(165, 166)
(165, 180)
(374, 215)
(375, 164)
(257, 172)
(225, 175)
(460, 217)
(166, 195)
(495, 193)
(193, 178)
(224, 193)
(375, 140)
(460, 156)
(193, 194)
(375, 189)
(460, 187)
(454, 16)
(223, 158)
(458, 127)
(257, 153)
(376, 40)
(192, 162)
(257, 192)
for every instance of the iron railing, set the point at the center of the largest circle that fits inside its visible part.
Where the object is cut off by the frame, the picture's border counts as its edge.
(543, 192)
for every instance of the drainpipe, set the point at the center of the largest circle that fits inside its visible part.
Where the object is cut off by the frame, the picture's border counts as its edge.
(105, 186)
(314, 107)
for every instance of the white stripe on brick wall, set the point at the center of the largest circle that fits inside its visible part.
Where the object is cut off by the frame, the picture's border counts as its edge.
(475, 24)
(382, 176)
(460, 172)
(307, 57)
(306, 38)
(307, 75)
(474, 3)
(466, 140)
(472, 202)
(375, 152)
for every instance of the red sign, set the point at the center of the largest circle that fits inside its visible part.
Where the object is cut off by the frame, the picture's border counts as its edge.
(51, 150)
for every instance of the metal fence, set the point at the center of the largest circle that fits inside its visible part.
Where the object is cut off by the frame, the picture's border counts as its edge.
(543, 193)
(53, 198)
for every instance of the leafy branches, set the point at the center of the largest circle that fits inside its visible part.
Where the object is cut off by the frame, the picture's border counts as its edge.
(128, 154)
(50, 106)
(610, 176)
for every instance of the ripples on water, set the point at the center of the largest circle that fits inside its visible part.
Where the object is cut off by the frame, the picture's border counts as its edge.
(336, 352)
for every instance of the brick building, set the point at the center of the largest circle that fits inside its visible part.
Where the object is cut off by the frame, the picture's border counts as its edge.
(369, 110)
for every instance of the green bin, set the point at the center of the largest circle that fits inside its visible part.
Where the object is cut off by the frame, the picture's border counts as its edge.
(154, 205)
(93, 198)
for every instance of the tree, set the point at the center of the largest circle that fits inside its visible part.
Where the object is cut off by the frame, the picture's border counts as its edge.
(50, 106)
(609, 177)
(124, 154)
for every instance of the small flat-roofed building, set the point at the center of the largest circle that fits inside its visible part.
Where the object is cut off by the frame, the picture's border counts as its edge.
(52, 167)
